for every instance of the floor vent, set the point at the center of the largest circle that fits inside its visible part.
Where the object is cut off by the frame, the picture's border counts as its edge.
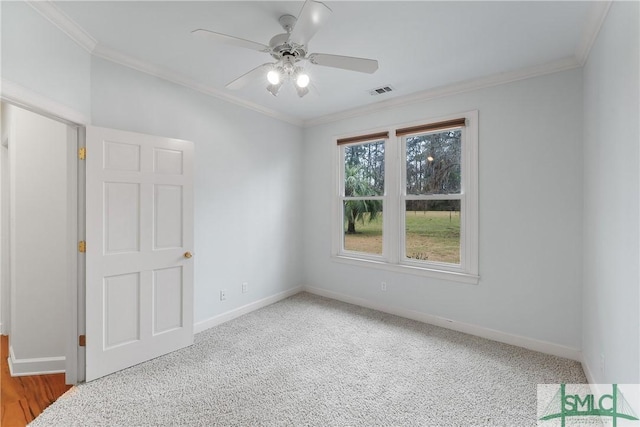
(381, 90)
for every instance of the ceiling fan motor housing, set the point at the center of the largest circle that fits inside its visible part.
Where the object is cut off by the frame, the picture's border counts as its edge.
(279, 43)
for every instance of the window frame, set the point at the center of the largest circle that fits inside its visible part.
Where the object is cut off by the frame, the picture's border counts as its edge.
(393, 256)
(342, 198)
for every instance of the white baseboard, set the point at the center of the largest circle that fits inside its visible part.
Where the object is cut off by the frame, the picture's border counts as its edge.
(35, 366)
(596, 387)
(240, 311)
(492, 334)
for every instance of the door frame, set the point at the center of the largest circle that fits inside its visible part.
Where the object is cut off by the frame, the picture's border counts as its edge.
(5, 245)
(24, 98)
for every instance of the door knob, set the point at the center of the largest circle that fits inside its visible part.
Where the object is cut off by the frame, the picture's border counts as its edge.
(188, 254)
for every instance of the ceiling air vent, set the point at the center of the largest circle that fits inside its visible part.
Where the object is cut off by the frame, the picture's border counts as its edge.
(381, 90)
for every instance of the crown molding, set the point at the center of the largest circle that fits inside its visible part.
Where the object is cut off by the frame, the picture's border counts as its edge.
(596, 17)
(26, 98)
(67, 25)
(76, 33)
(118, 57)
(449, 90)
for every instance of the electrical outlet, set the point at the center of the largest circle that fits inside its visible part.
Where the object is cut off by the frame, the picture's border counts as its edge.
(383, 286)
(245, 287)
(223, 294)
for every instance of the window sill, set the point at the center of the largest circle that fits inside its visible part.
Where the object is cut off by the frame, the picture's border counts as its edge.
(409, 269)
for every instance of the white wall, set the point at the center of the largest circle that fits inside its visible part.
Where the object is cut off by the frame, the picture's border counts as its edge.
(611, 322)
(38, 170)
(38, 56)
(530, 213)
(247, 182)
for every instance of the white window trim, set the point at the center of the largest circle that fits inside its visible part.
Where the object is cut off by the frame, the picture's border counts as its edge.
(338, 244)
(392, 258)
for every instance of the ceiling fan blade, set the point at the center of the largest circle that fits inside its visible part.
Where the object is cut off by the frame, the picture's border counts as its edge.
(312, 16)
(230, 40)
(352, 63)
(246, 78)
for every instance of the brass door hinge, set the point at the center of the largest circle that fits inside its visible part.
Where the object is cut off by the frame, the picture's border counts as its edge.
(82, 246)
(82, 153)
(82, 340)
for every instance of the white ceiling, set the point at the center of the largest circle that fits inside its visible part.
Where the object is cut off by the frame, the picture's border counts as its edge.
(420, 45)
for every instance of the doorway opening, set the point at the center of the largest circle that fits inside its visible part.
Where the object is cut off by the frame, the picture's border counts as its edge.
(40, 228)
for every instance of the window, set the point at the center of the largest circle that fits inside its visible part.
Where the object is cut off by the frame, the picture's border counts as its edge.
(409, 203)
(363, 197)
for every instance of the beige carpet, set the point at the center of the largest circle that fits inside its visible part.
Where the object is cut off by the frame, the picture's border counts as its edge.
(312, 361)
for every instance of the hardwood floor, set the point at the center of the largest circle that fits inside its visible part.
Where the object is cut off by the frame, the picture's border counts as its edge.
(24, 398)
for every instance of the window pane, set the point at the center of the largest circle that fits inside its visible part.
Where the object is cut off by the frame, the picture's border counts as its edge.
(364, 169)
(433, 163)
(363, 226)
(433, 230)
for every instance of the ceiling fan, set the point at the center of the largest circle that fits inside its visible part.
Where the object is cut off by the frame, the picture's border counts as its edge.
(289, 50)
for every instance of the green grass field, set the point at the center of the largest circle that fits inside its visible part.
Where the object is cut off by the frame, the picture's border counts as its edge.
(431, 236)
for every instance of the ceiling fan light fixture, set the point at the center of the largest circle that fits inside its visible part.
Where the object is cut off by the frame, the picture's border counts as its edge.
(273, 77)
(302, 80)
(274, 88)
(302, 91)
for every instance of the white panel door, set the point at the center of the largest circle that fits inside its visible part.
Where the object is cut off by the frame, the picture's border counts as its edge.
(139, 296)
